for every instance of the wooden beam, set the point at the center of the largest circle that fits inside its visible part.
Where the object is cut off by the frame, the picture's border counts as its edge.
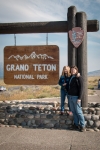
(43, 27)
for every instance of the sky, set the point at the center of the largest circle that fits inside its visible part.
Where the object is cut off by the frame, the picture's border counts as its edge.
(50, 10)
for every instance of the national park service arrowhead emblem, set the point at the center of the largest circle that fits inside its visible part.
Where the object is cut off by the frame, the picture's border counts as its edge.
(76, 36)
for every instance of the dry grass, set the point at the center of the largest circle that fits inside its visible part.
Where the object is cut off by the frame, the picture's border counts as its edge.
(31, 92)
(92, 82)
(28, 92)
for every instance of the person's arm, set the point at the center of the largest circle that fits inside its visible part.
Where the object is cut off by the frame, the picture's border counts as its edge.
(80, 86)
(78, 75)
(61, 81)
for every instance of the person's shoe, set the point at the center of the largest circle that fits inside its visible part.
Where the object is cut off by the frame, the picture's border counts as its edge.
(82, 129)
(61, 113)
(75, 127)
(69, 113)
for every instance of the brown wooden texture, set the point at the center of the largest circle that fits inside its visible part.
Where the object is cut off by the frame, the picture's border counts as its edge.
(43, 27)
(31, 65)
(72, 52)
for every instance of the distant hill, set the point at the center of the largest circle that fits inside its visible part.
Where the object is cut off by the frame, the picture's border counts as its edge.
(94, 73)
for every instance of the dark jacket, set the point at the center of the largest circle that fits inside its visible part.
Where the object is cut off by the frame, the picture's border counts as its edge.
(62, 80)
(76, 87)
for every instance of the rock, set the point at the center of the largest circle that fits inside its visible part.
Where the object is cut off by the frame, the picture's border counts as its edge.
(55, 104)
(88, 129)
(23, 123)
(2, 120)
(19, 108)
(84, 108)
(17, 115)
(29, 116)
(64, 126)
(11, 122)
(13, 115)
(13, 126)
(85, 112)
(46, 121)
(49, 116)
(63, 117)
(2, 115)
(62, 121)
(1, 125)
(49, 125)
(90, 123)
(97, 108)
(29, 123)
(95, 117)
(6, 125)
(14, 108)
(19, 120)
(70, 117)
(38, 122)
(97, 105)
(54, 121)
(68, 122)
(34, 126)
(97, 123)
(91, 109)
(30, 111)
(98, 112)
(19, 126)
(37, 116)
(57, 112)
(57, 125)
(33, 121)
(2, 110)
(43, 115)
(47, 108)
(55, 116)
(87, 117)
(8, 107)
(96, 129)
(32, 108)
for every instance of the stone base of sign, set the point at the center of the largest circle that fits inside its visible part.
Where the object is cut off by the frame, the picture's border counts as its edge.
(44, 114)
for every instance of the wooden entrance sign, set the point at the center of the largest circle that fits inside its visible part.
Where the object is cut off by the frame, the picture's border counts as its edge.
(76, 55)
(32, 65)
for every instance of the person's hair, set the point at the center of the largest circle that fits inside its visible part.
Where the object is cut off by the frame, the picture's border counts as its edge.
(75, 67)
(68, 71)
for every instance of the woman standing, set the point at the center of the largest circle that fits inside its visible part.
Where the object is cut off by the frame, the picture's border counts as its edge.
(75, 96)
(64, 83)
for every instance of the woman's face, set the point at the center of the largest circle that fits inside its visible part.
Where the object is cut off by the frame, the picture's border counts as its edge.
(73, 71)
(65, 70)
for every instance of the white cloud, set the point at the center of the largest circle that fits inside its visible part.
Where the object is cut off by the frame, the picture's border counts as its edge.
(93, 43)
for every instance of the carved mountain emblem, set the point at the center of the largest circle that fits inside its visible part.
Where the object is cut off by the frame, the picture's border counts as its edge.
(76, 36)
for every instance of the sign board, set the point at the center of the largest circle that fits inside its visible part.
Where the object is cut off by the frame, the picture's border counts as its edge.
(31, 65)
(76, 36)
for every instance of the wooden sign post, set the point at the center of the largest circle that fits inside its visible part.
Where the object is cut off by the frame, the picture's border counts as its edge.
(77, 51)
(32, 65)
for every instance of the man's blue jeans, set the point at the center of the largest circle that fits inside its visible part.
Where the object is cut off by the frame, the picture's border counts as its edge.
(63, 97)
(77, 111)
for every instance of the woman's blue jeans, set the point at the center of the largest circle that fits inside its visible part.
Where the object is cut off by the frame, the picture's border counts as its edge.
(77, 111)
(63, 97)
